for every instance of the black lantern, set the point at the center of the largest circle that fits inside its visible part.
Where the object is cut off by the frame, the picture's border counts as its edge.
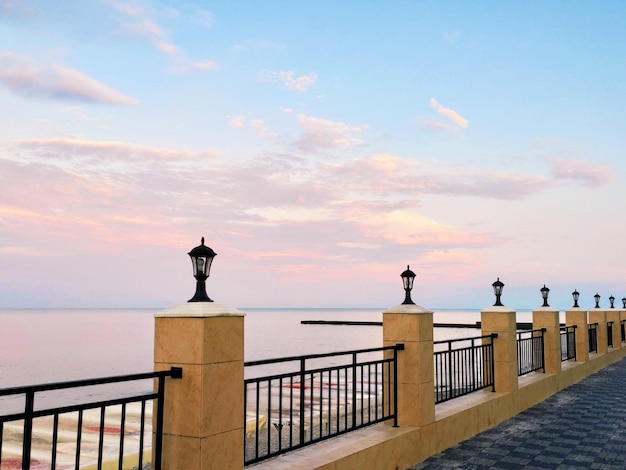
(624, 302)
(575, 294)
(612, 299)
(407, 280)
(597, 299)
(497, 289)
(544, 293)
(201, 259)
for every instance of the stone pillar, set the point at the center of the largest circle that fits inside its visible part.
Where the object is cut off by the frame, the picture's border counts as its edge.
(502, 320)
(613, 315)
(548, 318)
(204, 411)
(576, 316)
(622, 317)
(597, 315)
(412, 325)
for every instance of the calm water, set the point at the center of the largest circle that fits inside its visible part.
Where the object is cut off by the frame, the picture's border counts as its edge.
(39, 346)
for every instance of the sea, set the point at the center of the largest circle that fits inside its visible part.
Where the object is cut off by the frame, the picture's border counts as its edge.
(53, 345)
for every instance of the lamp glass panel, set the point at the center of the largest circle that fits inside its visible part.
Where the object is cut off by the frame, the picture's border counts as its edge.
(200, 263)
(207, 266)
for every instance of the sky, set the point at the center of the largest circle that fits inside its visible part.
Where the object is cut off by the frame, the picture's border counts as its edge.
(319, 147)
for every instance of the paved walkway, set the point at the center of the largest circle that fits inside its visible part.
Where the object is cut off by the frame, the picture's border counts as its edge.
(583, 426)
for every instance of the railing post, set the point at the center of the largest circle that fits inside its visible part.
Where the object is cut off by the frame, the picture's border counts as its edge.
(399, 347)
(622, 317)
(576, 316)
(28, 430)
(598, 315)
(612, 315)
(502, 321)
(548, 318)
(412, 325)
(202, 412)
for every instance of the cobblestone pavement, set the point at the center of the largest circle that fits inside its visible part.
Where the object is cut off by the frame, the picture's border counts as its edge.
(583, 426)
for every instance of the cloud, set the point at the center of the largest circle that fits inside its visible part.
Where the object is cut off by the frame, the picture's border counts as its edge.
(300, 84)
(436, 125)
(272, 207)
(257, 125)
(405, 228)
(16, 9)
(323, 133)
(102, 150)
(588, 174)
(386, 174)
(236, 122)
(449, 113)
(136, 23)
(55, 81)
(203, 65)
(261, 129)
(205, 18)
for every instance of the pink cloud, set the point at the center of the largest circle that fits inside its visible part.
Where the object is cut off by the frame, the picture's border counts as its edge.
(450, 114)
(323, 133)
(55, 81)
(588, 174)
(290, 80)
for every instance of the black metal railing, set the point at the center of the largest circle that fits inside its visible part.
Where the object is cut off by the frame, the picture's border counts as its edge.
(325, 395)
(623, 330)
(568, 343)
(530, 351)
(69, 423)
(463, 366)
(593, 337)
(609, 334)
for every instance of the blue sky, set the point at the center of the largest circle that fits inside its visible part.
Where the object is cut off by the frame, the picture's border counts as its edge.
(320, 147)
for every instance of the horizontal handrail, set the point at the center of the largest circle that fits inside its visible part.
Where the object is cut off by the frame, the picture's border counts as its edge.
(444, 341)
(174, 372)
(261, 362)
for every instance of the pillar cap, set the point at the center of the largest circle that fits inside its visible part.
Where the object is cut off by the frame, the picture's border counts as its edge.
(546, 309)
(408, 308)
(498, 309)
(575, 309)
(200, 310)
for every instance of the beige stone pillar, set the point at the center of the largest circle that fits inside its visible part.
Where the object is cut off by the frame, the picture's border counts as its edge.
(502, 320)
(612, 315)
(204, 411)
(412, 325)
(622, 317)
(577, 317)
(598, 315)
(548, 318)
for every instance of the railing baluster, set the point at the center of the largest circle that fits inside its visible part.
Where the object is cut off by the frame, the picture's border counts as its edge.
(302, 380)
(141, 434)
(101, 437)
(122, 430)
(79, 435)
(269, 414)
(257, 415)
